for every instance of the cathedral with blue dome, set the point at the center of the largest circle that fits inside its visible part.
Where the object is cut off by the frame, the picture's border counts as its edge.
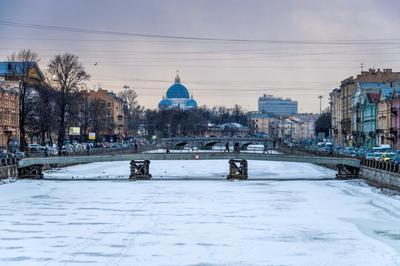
(177, 97)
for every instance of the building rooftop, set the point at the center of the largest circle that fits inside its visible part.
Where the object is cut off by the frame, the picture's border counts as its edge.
(18, 68)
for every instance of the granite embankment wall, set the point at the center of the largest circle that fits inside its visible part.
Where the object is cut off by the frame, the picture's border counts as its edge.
(8, 168)
(379, 174)
(382, 174)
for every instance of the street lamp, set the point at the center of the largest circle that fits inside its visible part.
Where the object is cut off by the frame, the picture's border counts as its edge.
(320, 104)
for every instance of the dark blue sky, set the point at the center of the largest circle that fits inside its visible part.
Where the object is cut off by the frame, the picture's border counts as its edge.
(215, 72)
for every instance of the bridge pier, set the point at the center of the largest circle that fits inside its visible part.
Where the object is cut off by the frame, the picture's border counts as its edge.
(32, 171)
(346, 172)
(237, 170)
(140, 170)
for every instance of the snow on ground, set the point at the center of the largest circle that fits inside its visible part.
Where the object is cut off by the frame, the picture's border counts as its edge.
(197, 222)
(213, 169)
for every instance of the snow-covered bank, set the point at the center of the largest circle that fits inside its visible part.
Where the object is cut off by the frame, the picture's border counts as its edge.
(192, 222)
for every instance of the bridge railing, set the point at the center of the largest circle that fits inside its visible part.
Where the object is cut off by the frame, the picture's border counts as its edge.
(253, 150)
(381, 165)
(92, 151)
(8, 162)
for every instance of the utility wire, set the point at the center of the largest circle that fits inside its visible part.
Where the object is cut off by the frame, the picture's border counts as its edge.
(195, 38)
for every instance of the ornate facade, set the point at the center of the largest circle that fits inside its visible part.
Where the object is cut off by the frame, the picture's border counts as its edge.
(9, 113)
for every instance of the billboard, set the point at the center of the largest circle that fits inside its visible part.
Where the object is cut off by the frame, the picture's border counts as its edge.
(74, 131)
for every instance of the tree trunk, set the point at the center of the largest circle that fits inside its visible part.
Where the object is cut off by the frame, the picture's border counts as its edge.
(61, 130)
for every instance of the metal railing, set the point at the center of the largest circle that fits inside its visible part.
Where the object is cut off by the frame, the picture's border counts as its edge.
(8, 161)
(90, 152)
(381, 165)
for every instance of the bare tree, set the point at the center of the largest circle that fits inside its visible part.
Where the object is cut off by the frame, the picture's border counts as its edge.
(67, 75)
(135, 111)
(129, 96)
(99, 121)
(41, 121)
(22, 62)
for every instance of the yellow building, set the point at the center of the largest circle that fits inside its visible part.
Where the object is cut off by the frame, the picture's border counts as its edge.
(115, 112)
(262, 123)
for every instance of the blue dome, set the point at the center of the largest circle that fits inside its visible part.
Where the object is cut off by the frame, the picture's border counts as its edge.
(177, 90)
(165, 103)
(191, 103)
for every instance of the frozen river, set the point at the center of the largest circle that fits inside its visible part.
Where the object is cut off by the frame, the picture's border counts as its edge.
(201, 220)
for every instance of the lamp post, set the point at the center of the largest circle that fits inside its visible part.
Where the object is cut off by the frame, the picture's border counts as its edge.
(320, 104)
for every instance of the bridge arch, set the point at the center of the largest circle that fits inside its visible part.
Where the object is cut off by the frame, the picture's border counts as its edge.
(180, 145)
(209, 145)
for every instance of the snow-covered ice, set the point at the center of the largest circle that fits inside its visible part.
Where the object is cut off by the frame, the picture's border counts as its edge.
(287, 214)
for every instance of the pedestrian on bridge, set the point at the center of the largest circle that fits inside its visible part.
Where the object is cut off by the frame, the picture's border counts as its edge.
(87, 149)
(266, 148)
(226, 147)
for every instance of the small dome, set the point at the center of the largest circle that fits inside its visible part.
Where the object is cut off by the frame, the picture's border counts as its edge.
(191, 103)
(177, 90)
(165, 103)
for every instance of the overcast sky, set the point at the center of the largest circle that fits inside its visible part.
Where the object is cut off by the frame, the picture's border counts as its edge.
(216, 72)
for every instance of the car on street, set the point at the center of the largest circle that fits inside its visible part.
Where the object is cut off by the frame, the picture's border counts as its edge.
(35, 147)
(19, 155)
(52, 151)
(370, 156)
(387, 157)
(377, 155)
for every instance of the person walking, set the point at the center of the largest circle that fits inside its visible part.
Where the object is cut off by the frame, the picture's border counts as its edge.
(226, 147)
(87, 149)
(266, 148)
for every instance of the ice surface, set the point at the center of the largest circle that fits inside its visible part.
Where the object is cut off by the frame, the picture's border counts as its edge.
(205, 220)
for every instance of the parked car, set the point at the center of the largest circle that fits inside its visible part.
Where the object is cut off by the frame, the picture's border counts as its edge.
(52, 151)
(396, 160)
(19, 154)
(3, 156)
(387, 157)
(35, 147)
(370, 156)
(378, 155)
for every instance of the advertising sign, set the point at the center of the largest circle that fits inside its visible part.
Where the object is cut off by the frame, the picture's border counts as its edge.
(92, 135)
(74, 131)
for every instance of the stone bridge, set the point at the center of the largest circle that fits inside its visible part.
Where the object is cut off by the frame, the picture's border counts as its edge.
(32, 167)
(208, 142)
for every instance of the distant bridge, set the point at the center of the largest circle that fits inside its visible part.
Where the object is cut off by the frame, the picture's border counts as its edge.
(209, 142)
